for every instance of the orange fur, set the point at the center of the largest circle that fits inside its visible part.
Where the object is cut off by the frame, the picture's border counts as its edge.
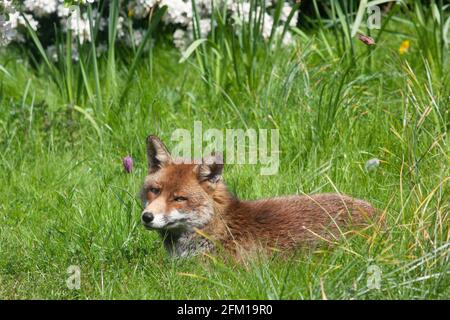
(208, 209)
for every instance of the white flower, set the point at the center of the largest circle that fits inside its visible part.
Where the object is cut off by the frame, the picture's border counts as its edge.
(178, 12)
(85, 1)
(7, 6)
(7, 34)
(287, 39)
(372, 164)
(16, 20)
(62, 10)
(75, 54)
(79, 25)
(120, 31)
(204, 25)
(204, 7)
(267, 26)
(140, 8)
(240, 11)
(180, 39)
(136, 38)
(41, 8)
(52, 52)
(285, 12)
(8, 28)
(179, 16)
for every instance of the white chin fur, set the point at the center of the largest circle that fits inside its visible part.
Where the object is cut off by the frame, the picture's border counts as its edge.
(171, 220)
(158, 221)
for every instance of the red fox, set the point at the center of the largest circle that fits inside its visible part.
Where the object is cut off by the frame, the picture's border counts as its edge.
(190, 206)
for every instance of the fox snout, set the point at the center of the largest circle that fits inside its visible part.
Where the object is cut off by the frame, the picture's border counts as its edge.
(172, 220)
(152, 220)
(147, 217)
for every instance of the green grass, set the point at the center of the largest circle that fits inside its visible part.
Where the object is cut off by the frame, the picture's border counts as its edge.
(65, 199)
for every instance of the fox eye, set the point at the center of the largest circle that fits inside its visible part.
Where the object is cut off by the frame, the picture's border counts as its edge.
(154, 190)
(179, 199)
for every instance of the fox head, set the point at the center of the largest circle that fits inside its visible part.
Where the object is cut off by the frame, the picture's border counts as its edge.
(177, 195)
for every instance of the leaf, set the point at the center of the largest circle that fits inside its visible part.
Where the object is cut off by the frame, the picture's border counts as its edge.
(436, 13)
(89, 118)
(186, 54)
(359, 17)
(3, 69)
(446, 30)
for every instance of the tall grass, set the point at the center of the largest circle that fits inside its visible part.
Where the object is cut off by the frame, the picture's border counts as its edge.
(346, 19)
(65, 200)
(432, 27)
(74, 77)
(236, 53)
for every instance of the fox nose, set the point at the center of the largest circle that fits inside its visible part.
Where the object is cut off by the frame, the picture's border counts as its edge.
(147, 217)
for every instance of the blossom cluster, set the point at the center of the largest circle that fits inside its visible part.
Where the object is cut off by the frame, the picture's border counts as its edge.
(179, 19)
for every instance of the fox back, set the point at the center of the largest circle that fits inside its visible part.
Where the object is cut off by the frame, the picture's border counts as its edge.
(190, 206)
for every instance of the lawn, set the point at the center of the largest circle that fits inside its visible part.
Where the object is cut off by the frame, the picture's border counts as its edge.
(65, 199)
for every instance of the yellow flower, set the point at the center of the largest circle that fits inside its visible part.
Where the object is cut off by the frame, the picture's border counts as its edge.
(404, 47)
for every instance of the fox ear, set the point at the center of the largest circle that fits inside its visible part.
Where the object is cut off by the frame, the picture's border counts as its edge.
(157, 154)
(211, 169)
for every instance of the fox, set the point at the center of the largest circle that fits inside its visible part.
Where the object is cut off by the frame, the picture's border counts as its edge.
(191, 207)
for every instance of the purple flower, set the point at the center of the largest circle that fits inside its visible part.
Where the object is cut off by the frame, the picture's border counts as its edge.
(366, 39)
(128, 164)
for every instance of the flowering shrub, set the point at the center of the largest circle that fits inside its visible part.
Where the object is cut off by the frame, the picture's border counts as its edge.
(42, 15)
